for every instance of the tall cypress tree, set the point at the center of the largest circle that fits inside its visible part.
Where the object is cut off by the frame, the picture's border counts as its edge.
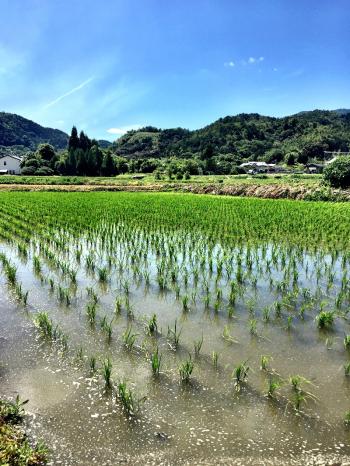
(73, 142)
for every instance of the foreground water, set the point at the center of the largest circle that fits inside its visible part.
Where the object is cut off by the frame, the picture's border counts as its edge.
(245, 300)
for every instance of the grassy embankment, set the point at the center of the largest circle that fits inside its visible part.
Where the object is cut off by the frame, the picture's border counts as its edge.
(15, 448)
(302, 186)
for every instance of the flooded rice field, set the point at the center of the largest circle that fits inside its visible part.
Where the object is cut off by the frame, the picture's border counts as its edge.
(175, 329)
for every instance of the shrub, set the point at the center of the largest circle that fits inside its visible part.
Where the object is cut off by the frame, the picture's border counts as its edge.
(43, 171)
(337, 173)
(28, 171)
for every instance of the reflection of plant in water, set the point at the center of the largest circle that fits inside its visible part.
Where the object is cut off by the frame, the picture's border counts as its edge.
(198, 345)
(174, 335)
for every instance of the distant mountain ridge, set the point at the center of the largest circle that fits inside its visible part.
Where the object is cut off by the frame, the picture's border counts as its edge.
(235, 138)
(19, 135)
(245, 137)
(22, 134)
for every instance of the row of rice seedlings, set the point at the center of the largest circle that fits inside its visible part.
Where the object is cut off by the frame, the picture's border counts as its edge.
(9, 269)
(49, 331)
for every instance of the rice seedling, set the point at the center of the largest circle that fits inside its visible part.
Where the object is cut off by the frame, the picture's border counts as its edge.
(152, 326)
(63, 295)
(215, 359)
(108, 330)
(296, 381)
(44, 323)
(93, 364)
(91, 313)
(299, 398)
(11, 273)
(186, 369)
(73, 276)
(129, 338)
(107, 372)
(266, 314)
(273, 384)
(21, 295)
(325, 319)
(130, 404)
(37, 265)
(102, 273)
(185, 305)
(230, 312)
(92, 294)
(347, 341)
(80, 353)
(240, 374)
(118, 305)
(347, 369)
(264, 362)
(253, 327)
(156, 359)
(347, 418)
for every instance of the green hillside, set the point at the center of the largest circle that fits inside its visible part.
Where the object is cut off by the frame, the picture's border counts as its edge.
(246, 137)
(19, 134)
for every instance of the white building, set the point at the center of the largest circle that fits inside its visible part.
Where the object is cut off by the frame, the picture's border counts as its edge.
(258, 167)
(10, 165)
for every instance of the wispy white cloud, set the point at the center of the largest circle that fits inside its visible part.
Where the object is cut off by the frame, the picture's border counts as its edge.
(229, 64)
(123, 129)
(252, 60)
(72, 91)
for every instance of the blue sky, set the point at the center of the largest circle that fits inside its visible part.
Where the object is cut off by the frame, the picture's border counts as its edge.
(110, 65)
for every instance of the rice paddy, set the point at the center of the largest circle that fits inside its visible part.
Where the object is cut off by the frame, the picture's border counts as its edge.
(172, 328)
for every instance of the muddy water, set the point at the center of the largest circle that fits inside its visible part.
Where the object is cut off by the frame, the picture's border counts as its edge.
(204, 422)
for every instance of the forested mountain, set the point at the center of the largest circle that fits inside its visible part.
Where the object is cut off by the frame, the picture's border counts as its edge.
(22, 134)
(246, 137)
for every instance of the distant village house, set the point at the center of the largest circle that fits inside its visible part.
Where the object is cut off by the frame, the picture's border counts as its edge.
(258, 167)
(10, 165)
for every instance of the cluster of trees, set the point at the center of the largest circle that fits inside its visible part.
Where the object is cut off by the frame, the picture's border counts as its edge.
(42, 162)
(83, 157)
